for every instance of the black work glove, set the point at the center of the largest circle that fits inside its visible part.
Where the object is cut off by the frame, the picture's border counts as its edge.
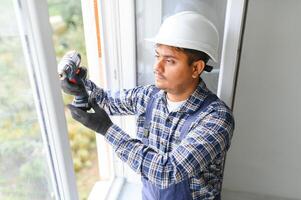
(98, 121)
(75, 89)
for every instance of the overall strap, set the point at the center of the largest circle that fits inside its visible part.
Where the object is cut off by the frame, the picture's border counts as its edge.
(148, 114)
(191, 118)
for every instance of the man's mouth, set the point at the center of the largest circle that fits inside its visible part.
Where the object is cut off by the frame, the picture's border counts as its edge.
(159, 76)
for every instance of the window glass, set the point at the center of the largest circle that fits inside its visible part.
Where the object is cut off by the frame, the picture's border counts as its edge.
(150, 14)
(24, 170)
(68, 34)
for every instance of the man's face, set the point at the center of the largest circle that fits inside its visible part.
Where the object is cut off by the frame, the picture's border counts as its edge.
(172, 72)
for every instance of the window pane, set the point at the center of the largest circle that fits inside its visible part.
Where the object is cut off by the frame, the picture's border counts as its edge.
(148, 12)
(24, 171)
(68, 34)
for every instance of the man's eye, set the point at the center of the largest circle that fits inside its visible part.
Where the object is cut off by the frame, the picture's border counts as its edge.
(170, 61)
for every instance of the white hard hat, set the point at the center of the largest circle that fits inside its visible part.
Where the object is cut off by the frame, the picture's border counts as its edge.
(191, 30)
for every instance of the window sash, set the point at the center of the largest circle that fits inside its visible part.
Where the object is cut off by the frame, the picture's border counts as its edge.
(35, 32)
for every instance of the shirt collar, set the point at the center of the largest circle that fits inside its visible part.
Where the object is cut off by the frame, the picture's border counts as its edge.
(196, 98)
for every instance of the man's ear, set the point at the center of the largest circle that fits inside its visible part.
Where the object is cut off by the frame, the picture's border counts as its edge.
(198, 68)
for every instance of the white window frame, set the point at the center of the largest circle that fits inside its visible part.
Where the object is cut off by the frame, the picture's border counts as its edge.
(231, 50)
(90, 12)
(116, 20)
(35, 32)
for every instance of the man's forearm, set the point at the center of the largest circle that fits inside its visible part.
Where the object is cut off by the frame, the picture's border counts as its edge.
(90, 85)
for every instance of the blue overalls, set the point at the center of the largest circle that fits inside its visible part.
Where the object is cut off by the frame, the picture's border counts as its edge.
(179, 191)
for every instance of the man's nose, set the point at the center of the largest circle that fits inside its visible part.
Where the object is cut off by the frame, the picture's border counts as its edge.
(159, 66)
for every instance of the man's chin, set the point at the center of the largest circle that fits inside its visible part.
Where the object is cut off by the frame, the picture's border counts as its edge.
(160, 86)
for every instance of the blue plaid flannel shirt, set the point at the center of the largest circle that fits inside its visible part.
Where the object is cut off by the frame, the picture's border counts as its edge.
(166, 160)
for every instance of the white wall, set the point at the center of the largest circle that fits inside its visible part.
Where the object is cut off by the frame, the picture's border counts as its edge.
(265, 156)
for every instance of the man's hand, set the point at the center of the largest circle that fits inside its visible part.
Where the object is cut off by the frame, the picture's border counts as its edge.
(75, 89)
(98, 121)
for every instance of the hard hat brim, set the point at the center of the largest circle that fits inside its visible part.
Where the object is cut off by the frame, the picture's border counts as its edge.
(183, 44)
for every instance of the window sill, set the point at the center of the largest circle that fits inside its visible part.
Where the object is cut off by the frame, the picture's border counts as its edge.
(107, 190)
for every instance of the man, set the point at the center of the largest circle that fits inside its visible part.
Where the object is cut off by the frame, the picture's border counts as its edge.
(183, 129)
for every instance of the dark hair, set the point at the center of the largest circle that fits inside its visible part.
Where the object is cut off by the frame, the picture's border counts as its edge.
(194, 55)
